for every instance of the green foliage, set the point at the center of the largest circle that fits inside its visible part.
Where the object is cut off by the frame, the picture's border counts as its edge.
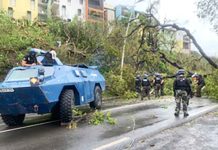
(212, 85)
(101, 45)
(168, 86)
(99, 118)
(77, 112)
(116, 85)
(130, 94)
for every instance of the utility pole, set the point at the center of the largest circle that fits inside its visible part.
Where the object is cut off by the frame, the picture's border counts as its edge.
(126, 34)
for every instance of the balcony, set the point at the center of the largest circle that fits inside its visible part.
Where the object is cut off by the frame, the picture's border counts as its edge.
(95, 15)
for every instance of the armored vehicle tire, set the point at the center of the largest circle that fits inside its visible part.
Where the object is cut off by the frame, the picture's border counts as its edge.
(96, 104)
(11, 120)
(66, 104)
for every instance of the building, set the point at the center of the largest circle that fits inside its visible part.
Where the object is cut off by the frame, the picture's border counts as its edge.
(65, 9)
(109, 13)
(123, 12)
(183, 42)
(69, 9)
(94, 10)
(20, 9)
(85, 10)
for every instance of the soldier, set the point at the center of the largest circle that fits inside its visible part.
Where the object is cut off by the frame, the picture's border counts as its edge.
(182, 90)
(200, 83)
(138, 84)
(30, 59)
(162, 86)
(157, 84)
(146, 87)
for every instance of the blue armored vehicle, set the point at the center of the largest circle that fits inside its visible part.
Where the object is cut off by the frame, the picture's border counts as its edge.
(49, 88)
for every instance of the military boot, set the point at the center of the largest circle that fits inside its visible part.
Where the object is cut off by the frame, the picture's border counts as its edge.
(186, 114)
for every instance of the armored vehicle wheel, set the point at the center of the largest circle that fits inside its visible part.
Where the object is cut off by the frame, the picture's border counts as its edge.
(11, 120)
(96, 104)
(66, 104)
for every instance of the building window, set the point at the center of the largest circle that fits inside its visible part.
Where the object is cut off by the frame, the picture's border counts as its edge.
(32, 4)
(79, 12)
(12, 3)
(10, 12)
(81, 2)
(29, 15)
(95, 2)
(64, 11)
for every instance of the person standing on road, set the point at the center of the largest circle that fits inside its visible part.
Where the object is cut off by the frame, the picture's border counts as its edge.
(138, 82)
(161, 85)
(146, 87)
(200, 83)
(157, 84)
(181, 89)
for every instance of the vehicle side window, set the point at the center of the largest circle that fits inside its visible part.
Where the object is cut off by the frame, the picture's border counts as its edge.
(84, 73)
(76, 73)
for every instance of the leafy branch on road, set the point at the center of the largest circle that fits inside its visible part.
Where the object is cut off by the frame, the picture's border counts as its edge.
(99, 118)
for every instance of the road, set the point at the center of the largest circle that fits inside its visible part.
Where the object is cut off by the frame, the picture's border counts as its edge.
(134, 122)
(200, 134)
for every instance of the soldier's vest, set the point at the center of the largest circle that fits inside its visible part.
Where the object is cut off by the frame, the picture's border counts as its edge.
(145, 82)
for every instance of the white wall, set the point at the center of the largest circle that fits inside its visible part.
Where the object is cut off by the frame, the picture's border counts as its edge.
(72, 9)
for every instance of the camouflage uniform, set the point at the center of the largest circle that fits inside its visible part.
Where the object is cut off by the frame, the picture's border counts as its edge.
(200, 85)
(138, 84)
(182, 90)
(181, 97)
(157, 86)
(146, 87)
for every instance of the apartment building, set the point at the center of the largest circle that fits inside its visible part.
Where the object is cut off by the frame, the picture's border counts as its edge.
(123, 12)
(85, 10)
(94, 10)
(69, 9)
(20, 9)
(109, 13)
(183, 42)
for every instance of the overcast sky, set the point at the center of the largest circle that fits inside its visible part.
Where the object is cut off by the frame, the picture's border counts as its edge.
(184, 13)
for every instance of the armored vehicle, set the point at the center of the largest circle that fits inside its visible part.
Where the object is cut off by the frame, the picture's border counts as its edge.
(49, 88)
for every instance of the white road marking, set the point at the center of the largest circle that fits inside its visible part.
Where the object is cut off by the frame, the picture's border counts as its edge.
(30, 126)
(117, 142)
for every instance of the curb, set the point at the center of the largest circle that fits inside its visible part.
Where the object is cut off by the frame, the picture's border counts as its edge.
(167, 124)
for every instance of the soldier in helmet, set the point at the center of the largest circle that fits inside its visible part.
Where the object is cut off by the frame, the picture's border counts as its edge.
(157, 84)
(30, 59)
(200, 83)
(146, 87)
(181, 89)
(138, 84)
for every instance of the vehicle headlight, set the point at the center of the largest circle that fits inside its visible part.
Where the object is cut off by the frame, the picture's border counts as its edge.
(34, 81)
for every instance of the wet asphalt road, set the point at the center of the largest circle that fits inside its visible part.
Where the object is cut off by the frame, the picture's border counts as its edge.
(84, 137)
(200, 134)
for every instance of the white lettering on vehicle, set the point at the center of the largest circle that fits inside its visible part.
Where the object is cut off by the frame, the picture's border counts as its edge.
(8, 90)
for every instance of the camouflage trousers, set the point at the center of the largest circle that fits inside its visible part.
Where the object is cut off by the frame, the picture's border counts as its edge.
(181, 97)
(145, 92)
(198, 90)
(157, 89)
